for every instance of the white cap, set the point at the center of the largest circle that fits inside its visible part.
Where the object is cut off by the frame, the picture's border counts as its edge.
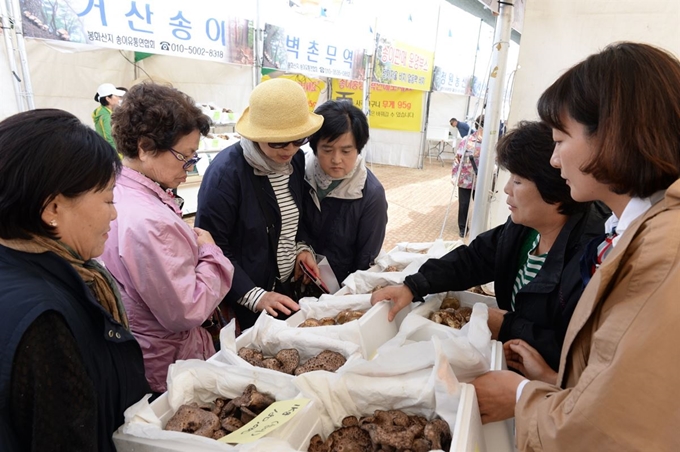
(108, 89)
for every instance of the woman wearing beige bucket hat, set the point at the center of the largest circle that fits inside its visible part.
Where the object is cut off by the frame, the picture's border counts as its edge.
(251, 197)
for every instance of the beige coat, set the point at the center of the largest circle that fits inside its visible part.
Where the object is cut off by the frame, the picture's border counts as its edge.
(620, 363)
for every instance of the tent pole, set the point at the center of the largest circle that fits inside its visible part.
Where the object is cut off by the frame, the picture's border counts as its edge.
(369, 54)
(15, 10)
(492, 117)
(258, 37)
(6, 23)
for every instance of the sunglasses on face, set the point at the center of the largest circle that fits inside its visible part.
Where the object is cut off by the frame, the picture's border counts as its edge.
(296, 143)
(188, 163)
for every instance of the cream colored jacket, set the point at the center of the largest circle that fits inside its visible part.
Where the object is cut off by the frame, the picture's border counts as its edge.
(620, 363)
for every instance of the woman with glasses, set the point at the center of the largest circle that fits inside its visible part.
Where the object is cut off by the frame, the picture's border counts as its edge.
(171, 277)
(251, 197)
(345, 207)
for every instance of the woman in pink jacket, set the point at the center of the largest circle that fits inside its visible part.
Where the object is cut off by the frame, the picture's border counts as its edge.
(171, 277)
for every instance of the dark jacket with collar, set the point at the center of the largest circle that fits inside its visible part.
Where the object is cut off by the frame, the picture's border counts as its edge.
(543, 307)
(228, 208)
(33, 284)
(349, 232)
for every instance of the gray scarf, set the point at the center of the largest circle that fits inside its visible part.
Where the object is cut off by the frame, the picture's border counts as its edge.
(263, 165)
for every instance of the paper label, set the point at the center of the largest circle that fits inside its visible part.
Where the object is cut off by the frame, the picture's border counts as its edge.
(276, 414)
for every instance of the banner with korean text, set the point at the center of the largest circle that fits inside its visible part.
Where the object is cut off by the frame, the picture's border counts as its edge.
(203, 29)
(312, 86)
(301, 50)
(391, 107)
(399, 64)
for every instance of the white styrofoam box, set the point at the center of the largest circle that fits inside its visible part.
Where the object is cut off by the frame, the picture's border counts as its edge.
(373, 327)
(468, 434)
(499, 436)
(270, 335)
(296, 433)
(468, 298)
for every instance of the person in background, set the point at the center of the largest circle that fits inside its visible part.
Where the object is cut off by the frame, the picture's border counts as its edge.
(171, 277)
(109, 97)
(251, 199)
(462, 128)
(345, 212)
(616, 388)
(533, 259)
(70, 366)
(464, 172)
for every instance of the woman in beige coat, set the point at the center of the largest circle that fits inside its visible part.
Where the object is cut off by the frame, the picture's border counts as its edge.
(616, 125)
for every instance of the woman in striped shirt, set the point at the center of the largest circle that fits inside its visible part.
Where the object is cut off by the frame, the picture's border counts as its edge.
(533, 258)
(251, 196)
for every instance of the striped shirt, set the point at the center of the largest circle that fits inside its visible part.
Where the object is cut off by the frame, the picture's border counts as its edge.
(287, 248)
(529, 270)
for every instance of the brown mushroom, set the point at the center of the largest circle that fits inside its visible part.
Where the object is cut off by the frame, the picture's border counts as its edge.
(289, 359)
(251, 355)
(450, 302)
(326, 360)
(309, 322)
(192, 419)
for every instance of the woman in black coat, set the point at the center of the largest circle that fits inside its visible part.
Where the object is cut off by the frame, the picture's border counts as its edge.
(533, 258)
(251, 200)
(70, 366)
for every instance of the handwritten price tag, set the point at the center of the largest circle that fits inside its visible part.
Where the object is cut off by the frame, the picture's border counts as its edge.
(277, 414)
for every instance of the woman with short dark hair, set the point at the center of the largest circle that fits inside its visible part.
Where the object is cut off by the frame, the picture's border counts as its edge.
(171, 277)
(615, 119)
(70, 366)
(533, 258)
(346, 210)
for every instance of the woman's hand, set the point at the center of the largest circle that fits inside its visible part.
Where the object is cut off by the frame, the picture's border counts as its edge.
(526, 359)
(400, 296)
(273, 302)
(495, 321)
(496, 393)
(308, 258)
(203, 237)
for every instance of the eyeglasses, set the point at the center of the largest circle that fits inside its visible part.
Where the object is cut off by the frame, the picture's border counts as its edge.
(297, 143)
(188, 163)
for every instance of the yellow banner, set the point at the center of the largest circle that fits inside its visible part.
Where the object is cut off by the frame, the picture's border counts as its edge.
(390, 107)
(403, 65)
(312, 86)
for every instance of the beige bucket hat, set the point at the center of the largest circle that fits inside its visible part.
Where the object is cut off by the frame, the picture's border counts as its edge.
(278, 112)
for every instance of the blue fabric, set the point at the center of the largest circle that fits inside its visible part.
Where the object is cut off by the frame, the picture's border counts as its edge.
(349, 232)
(35, 283)
(229, 210)
(463, 129)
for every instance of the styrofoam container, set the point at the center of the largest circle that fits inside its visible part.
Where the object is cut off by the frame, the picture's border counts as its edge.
(296, 432)
(374, 328)
(499, 436)
(468, 434)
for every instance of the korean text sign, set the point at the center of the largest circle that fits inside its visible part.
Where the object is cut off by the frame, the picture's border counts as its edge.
(400, 64)
(325, 54)
(199, 29)
(390, 107)
(273, 417)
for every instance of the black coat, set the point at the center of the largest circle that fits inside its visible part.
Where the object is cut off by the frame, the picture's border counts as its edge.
(35, 284)
(543, 307)
(229, 209)
(349, 232)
